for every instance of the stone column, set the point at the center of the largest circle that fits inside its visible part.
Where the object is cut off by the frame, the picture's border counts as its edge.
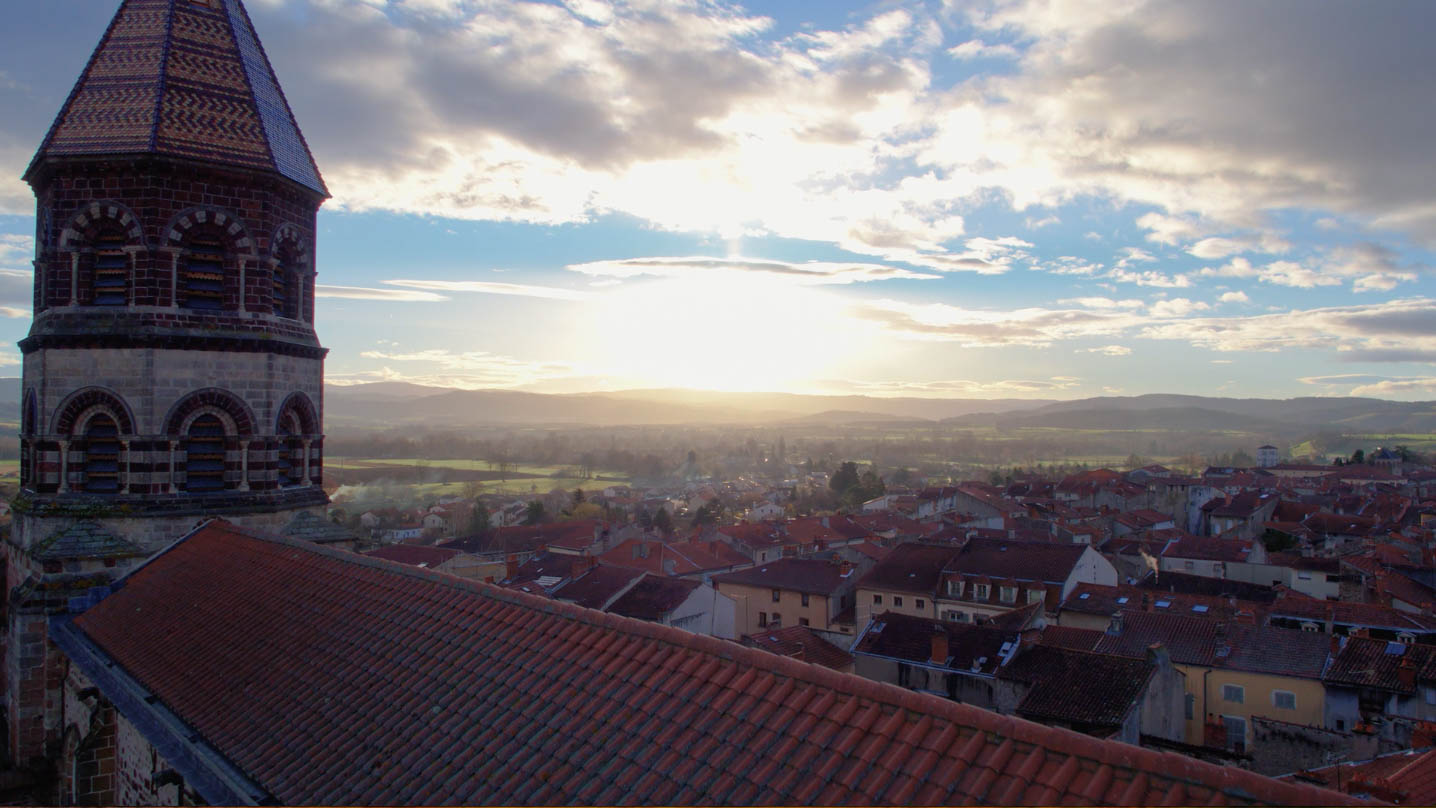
(244, 465)
(125, 461)
(305, 476)
(74, 278)
(64, 466)
(174, 445)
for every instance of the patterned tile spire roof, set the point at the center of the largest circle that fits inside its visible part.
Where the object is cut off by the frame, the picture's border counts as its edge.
(278, 670)
(181, 78)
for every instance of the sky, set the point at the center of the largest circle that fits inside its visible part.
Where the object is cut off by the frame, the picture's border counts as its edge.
(1015, 198)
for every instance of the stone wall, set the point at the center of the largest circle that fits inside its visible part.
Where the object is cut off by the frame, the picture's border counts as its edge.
(1279, 747)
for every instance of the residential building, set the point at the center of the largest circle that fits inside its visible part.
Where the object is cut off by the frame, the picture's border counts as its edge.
(811, 593)
(906, 581)
(989, 576)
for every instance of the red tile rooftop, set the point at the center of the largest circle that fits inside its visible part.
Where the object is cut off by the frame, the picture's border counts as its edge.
(376, 683)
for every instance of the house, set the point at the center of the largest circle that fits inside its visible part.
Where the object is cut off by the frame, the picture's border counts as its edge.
(690, 559)
(989, 576)
(599, 587)
(803, 592)
(678, 602)
(1104, 695)
(1240, 515)
(765, 511)
(314, 649)
(1233, 671)
(1401, 778)
(801, 643)
(1381, 686)
(906, 581)
(950, 660)
(1213, 557)
(440, 559)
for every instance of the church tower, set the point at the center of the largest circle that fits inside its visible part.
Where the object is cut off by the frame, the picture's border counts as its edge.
(172, 372)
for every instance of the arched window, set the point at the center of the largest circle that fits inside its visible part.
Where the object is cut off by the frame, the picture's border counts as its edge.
(101, 468)
(285, 283)
(291, 451)
(110, 274)
(201, 277)
(204, 454)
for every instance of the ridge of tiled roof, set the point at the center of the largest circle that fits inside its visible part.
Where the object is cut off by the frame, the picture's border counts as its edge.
(181, 79)
(330, 678)
(1020, 560)
(413, 554)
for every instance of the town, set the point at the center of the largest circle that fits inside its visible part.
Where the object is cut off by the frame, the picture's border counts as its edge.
(1277, 617)
(243, 570)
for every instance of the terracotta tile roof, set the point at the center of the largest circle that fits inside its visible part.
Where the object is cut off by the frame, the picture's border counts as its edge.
(912, 567)
(801, 642)
(1277, 651)
(182, 80)
(1181, 582)
(794, 574)
(525, 538)
(414, 555)
(599, 586)
(330, 678)
(1079, 687)
(1020, 560)
(1362, 615)
(973, 648)
(1080, 639)
(1209, 548)
(1408, 776)
(1190, 640)
(654, 597)
(1365, 662)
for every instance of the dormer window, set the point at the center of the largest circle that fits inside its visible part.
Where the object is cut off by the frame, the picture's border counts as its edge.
(1008, 594)
(954, 587)
(981, 591)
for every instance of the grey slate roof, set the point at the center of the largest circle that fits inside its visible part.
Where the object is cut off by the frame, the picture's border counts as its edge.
(87, 539)
(307, 526)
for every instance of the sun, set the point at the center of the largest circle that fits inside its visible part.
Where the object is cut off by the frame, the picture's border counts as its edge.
(729, 331)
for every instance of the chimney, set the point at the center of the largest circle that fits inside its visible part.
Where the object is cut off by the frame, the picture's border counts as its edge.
(1335, 644)
(845, 568)
(1115, 627)
(511, 565)
(1406, 673)
(1158, 656)
(1146, 602)
(939, 653)
(1221, 631)
(670, 567)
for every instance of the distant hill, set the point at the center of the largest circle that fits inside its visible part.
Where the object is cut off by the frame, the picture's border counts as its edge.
(1179, 412)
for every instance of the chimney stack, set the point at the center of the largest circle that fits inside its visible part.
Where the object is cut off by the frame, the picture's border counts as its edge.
(1115, 627)
(1406, 673)
(845, 568)
(511, 565)
(939, 653)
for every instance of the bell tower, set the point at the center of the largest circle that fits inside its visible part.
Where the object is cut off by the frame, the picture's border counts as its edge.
(172, 372)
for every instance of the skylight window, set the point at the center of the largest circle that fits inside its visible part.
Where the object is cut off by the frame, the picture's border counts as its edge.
(1121, 600)
(1162, 604)
(1084, 596)
(1199, 609)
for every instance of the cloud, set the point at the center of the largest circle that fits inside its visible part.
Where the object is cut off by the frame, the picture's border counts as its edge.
(1234, 297)
(1108, 350)
(977, 49)
(808, 272)
(1402, 325)
(1102, 303)
(1149, 278)
(1376, 386)
(13, 312)
(468, 369)
(1368, 266)
(978, 328)
(1020, 388)
(491, 288)
(361, 293)
(16, 250)
(1253, 128)
(1176, 307)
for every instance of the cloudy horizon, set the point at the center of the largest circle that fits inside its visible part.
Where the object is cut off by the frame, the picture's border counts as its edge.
(1015, 198)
